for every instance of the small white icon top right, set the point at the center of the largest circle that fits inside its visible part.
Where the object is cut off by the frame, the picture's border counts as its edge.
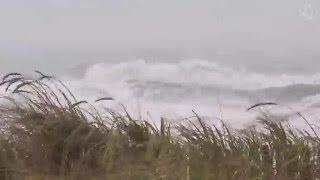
(307, 11)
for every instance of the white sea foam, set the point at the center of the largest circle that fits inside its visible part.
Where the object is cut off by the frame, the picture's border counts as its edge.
(173, 90)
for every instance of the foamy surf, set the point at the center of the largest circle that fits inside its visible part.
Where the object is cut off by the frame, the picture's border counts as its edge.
(173, 90)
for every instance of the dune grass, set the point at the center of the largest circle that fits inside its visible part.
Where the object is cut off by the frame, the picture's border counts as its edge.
(45, 134)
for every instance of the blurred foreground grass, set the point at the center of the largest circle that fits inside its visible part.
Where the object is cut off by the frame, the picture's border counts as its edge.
(45, 134)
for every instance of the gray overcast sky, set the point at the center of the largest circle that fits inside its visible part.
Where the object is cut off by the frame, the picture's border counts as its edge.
(161, 23)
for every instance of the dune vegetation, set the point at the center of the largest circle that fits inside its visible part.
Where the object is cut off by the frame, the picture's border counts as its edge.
(46, 133)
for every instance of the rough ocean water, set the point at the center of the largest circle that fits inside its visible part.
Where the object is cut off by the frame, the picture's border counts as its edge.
(215, 90)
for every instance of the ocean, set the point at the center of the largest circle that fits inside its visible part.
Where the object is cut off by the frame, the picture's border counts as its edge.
(169, 85)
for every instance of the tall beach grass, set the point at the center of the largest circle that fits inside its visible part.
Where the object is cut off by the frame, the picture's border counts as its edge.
(46, 134)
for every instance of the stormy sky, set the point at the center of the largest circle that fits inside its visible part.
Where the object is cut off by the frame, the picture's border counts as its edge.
(52, 31)
(161, 23)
